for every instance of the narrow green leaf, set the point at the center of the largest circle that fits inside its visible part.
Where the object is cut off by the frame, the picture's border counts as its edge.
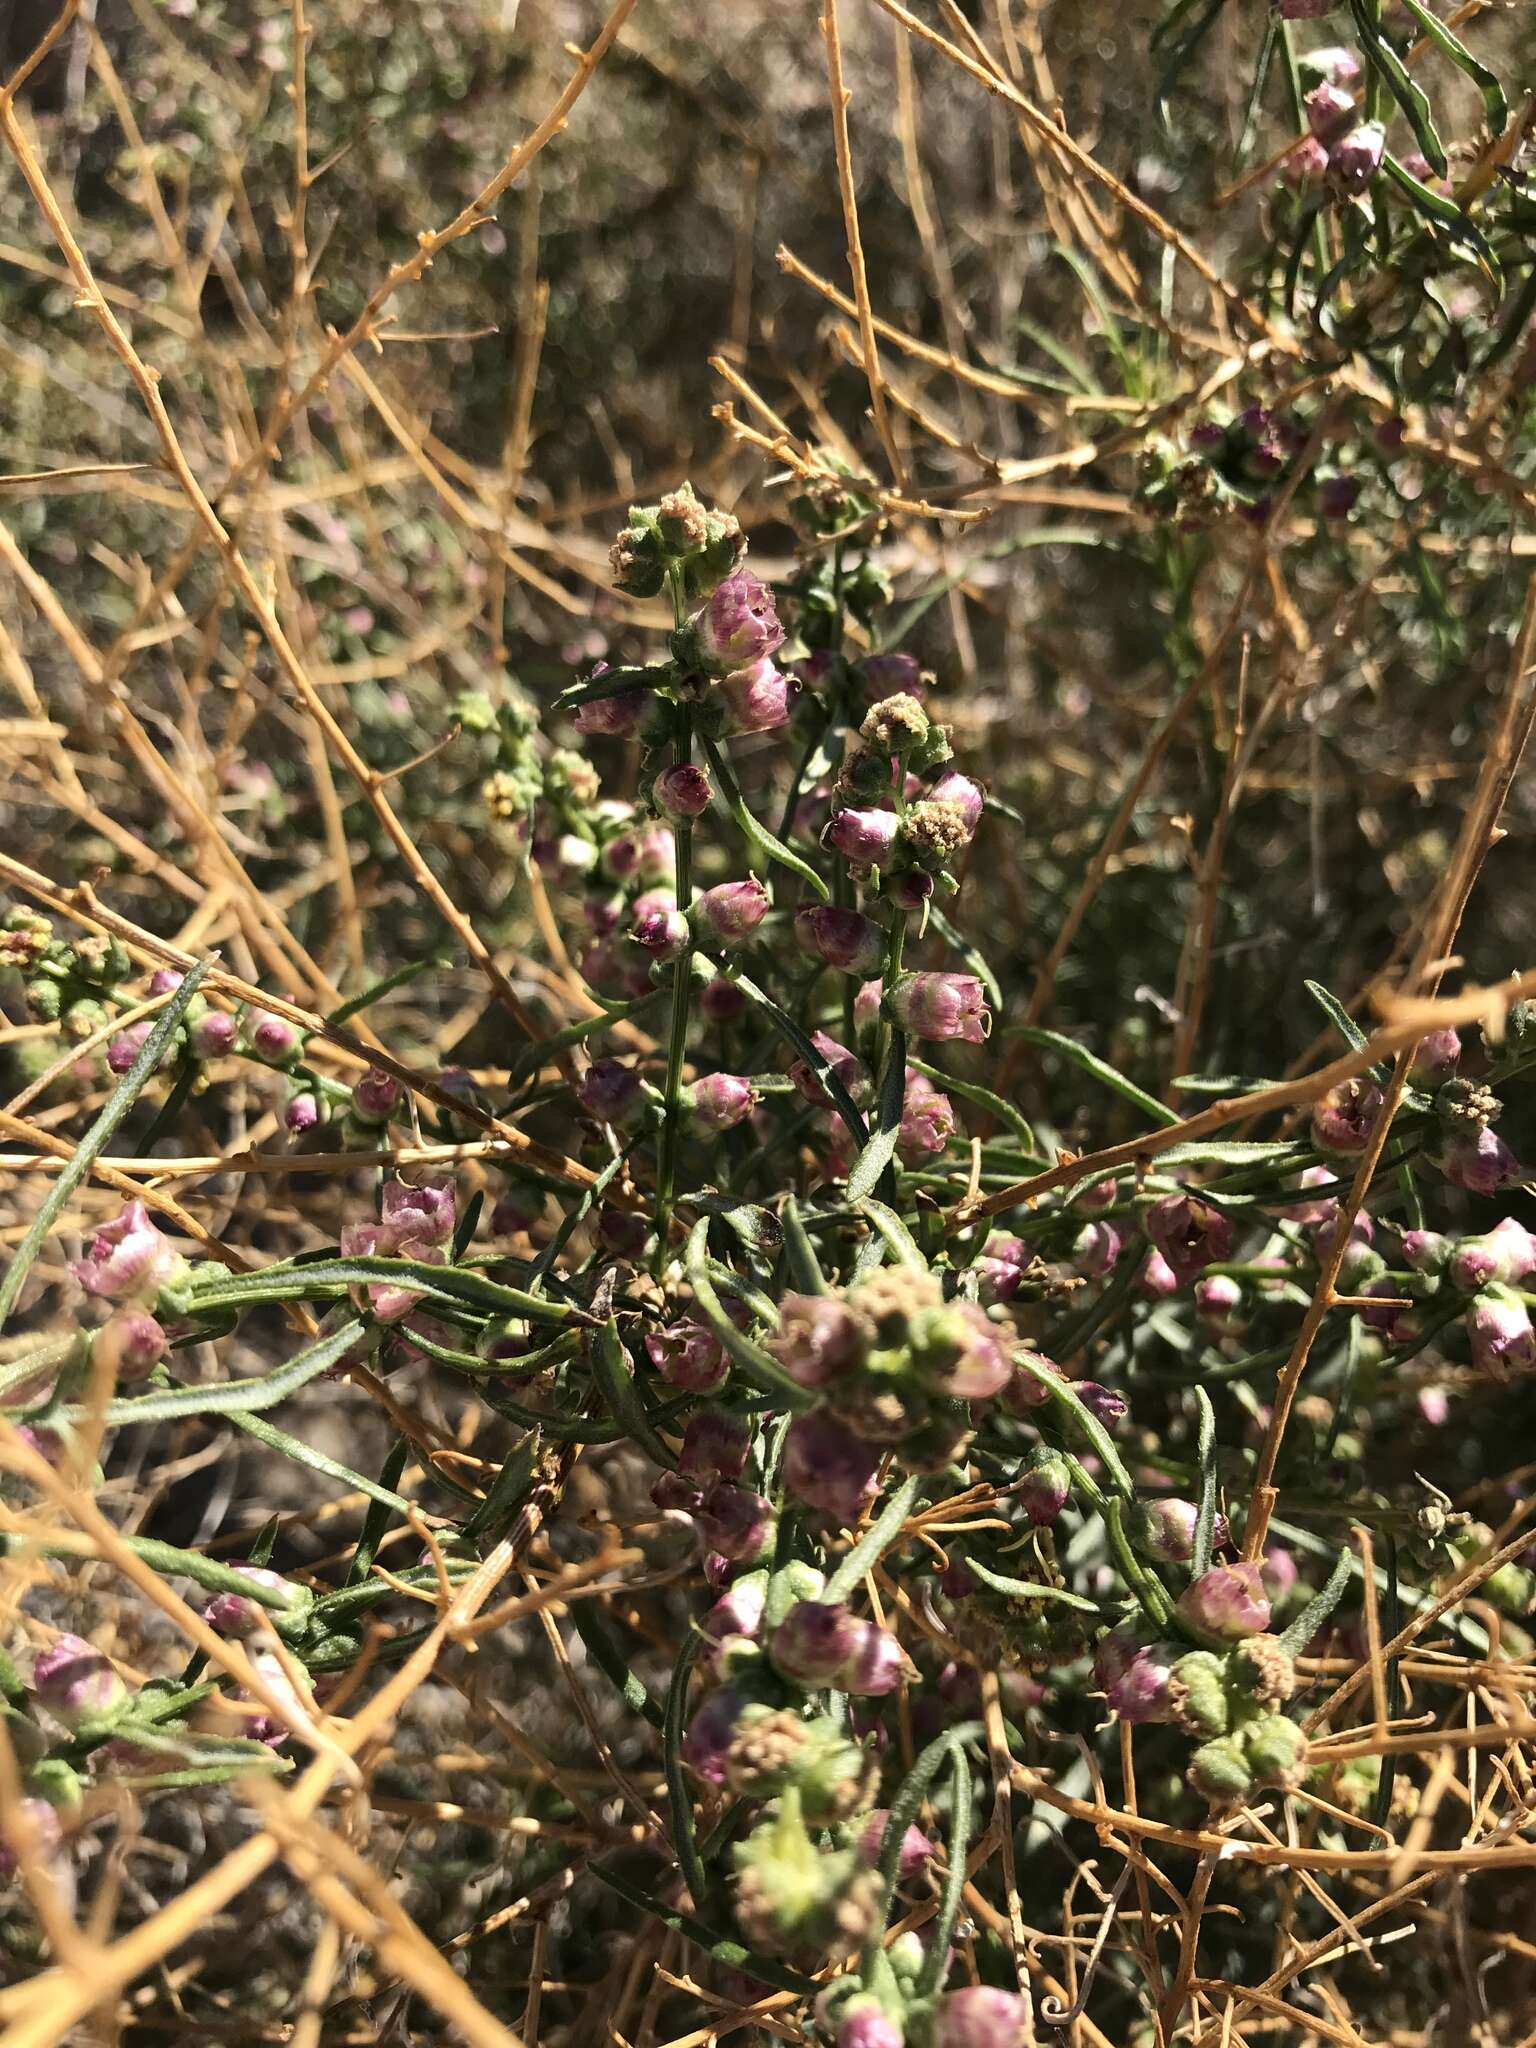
(1451, 45)
(1027, 1589)
(1294, 1639)
(1101, 1070)
(1205, 1520)
(864, 1177)
(756, 834)
(1385, 61)
(229, 1397)
(614, 1379)
(91, 1146)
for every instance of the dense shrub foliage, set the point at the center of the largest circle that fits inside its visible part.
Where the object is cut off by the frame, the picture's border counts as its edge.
(767, 1009)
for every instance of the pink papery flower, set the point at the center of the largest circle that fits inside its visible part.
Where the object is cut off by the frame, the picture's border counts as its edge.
(718, 1102)
(1133, 1675)
(828, 1467)
(1500, 1333)
(867, 839)
(1480, 1162)
(844, 939)
(127, 1259)
(757, 698)
(1189, 1233)
(818, 1338)
(688, 1355)
(731, 912)
(927, 1120)
(739, 625)
(968, 797)
(941, 1006)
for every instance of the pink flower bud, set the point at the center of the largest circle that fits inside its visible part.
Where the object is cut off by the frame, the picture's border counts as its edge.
(41, 1817)
(1436, 1056)
(844, 939)
(1338, 65)
(1045, 1486)
(623, 1233)
(721, 1001)
(688, 1355)
(847, 1066)
(916, 1849)
(756, 698)
(738, 1612)
(610, 1091)
(301, 1113)
(619, 716)
(1096, 1249)
(1330, 111)
(125, 1048)
(967, 796)
(1434, 1406)
(1157, 1279)
(417, 1216)
(1278, 1572)
(941, 1006)
(927, 1120)
(891, 675)
(710, 1734)
(1344, 1119)
(232, 1614)
(212, 1035)
(718, 1102)
(1026, 1390)
(1306, 164)
(1133, 1675)
(1355, 158)
(1217, 1301)
(1000, 1267)
(731, 912)
(654, 855)
(658, 926)
(1227, 1602)
(738, 1523)
(876, 1665)
(738, 625)
(270, 1039)
(1165, 1530)
(1499, 1329)
(980, 2016)
(1189, 1233)
(814, 1642)
(1506, 1253)
(714, 1443)
(866, 838)
(1480, 1162)
(818, 1338)
(682, 792)
(128, 1259)
(76, 1683)
(375, 1096)
(828, 1467)
(128, 1345)
(1105, 1404)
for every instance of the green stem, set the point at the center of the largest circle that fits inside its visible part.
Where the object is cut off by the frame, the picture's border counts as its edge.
(677, 1039)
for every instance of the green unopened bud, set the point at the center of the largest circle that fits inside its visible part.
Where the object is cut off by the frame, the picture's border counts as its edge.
(1263, 1671)
(1220, 1771)
(793, 1898)
(1197, 1694)
(1511, 1589)
(1276, 1751)
(792, 1583)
